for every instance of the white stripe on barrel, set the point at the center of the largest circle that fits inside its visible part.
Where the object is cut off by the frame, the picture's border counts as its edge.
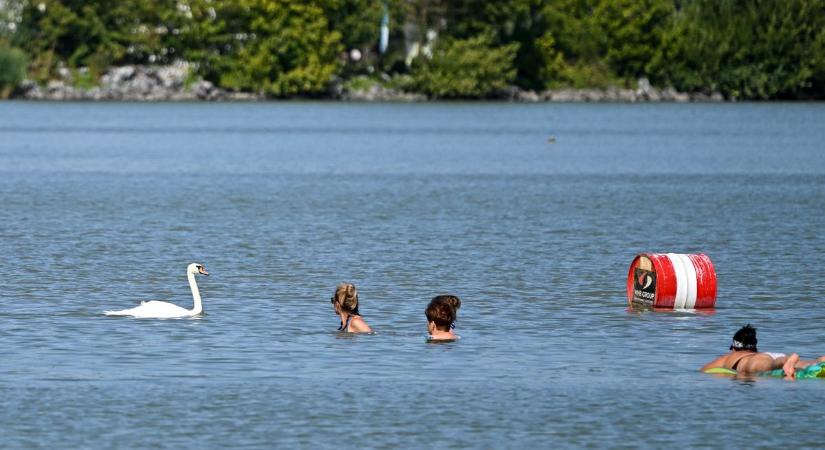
(690, 272)
(681, 280)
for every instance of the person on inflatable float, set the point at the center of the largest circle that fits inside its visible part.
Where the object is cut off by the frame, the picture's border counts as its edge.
(745, 358)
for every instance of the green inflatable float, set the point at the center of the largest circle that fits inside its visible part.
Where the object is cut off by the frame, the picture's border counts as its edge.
(813, 371)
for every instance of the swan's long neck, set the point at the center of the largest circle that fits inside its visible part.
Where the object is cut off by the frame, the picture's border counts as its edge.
(196, 295)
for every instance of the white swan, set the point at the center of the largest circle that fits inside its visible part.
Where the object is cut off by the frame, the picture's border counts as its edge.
(165, 310)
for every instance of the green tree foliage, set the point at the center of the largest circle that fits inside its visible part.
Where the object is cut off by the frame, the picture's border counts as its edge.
(12, 68)
(357, 20)
(466, 68)
(570, 47)
(743, 48)
(278, 47)
(507, 22)
(748, 49)
(595, 43)
(94, 33)
(632, 32)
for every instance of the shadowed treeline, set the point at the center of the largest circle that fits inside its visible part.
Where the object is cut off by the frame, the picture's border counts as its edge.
(745, 49)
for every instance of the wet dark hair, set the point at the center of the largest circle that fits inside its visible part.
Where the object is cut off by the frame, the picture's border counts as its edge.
(745, 339)
(440, 313)
(451, 300)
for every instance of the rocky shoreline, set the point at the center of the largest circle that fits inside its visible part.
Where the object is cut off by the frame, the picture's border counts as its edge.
(644, 93)
(175, 83)
(131, 83)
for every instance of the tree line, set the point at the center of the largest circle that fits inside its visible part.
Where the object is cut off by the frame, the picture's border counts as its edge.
(745, 49)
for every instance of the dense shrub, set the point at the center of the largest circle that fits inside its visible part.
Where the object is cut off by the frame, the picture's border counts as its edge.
(633, 33)
(747, 49)
(12, 69)
(465, 68)
(278, 47)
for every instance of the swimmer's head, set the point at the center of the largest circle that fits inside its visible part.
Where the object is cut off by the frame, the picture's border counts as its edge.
(451, 300)
(745, 339)
(346, 298)
(441, 314)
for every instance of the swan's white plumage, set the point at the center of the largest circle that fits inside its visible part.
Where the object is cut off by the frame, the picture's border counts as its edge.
(160, 310)
(166, 310)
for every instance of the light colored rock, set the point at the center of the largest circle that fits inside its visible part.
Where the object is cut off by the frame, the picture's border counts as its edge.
(643, 86)
(29, 90)
(117, 75)
(564, 95)
(699, 97)
(378, 93)
(242, 96)
(593, 95)
(135, 83)
(627, 95)
(203, 90)
(528, 96)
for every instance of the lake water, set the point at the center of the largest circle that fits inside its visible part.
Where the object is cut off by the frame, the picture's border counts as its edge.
(104, 205)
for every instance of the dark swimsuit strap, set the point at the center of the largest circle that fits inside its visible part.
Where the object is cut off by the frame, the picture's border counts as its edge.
(736, 364)
(345, 326)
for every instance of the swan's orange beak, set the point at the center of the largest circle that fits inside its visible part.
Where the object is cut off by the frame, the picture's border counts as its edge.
(202, 270)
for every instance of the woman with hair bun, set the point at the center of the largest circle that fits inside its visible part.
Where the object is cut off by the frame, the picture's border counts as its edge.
(440, 318)
(451, 300)
(345, 304)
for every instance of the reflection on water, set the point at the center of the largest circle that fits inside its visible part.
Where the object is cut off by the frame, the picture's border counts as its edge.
(104, 205)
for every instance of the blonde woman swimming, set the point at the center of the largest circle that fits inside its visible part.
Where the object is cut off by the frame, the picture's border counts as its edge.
(345, 304)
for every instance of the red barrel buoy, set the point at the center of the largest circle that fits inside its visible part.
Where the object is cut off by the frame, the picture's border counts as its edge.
(672, 281)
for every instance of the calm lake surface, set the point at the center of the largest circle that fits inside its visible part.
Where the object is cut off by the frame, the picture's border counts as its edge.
(104, 205)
